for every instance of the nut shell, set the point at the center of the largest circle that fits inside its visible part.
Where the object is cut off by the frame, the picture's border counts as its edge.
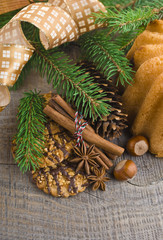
(137, 146)
(125, 170)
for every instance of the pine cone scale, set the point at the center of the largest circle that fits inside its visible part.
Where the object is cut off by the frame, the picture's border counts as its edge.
(110, 126)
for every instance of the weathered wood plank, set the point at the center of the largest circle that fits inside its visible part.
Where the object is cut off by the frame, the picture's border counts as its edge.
(122, 212)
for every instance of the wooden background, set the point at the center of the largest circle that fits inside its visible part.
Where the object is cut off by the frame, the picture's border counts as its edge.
(125, 211)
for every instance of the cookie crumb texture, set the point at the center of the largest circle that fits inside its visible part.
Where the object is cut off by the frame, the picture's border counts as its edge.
(58, 145)
(54, 177)
(60, 180)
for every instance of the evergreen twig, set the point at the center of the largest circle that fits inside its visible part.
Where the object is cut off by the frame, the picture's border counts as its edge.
(127, 19)
(107, 56)
(29, 139)
(76, 85)
(107, 49)
(125, 40)
(153, 4)
(124, 4)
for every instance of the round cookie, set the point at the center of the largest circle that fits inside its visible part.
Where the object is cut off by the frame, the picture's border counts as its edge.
(52, 176)
(60, 180)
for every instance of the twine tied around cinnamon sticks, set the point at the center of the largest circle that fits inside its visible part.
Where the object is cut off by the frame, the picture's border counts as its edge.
(58, 22)
(62, 113)
(80, 126)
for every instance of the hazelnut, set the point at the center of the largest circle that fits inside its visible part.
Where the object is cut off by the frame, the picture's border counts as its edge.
(124, 170)
(137, 146)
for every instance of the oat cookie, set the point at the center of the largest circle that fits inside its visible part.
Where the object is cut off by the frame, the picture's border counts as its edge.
(60, 180)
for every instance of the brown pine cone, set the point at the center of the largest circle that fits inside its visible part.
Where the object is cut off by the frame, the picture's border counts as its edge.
(110, 126)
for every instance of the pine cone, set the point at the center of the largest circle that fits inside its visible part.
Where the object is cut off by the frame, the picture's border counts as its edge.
(110, 126)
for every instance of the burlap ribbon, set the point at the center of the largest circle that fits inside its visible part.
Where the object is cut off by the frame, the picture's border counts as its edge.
(59, 21)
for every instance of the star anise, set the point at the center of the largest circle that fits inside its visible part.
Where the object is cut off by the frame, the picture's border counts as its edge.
(98, 179)
(86, 157)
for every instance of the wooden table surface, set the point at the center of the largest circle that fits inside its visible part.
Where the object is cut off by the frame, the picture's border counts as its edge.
(125, 211)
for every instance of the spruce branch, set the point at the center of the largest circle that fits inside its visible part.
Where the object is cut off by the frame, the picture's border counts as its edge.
(153, 4)
(125, 4)
(107, 56)
(127, 19)
(76, 85)
(125, 40)
(29, 139)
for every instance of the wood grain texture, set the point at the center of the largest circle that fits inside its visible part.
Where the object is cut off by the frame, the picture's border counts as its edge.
(123, 212)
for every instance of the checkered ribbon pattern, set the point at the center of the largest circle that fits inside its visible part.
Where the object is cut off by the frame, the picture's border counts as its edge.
(79, 128)
(59, 21)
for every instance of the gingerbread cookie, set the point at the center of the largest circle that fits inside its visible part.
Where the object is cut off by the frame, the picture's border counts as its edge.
(60, 180)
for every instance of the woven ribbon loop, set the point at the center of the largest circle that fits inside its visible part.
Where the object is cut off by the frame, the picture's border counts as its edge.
(59, 21)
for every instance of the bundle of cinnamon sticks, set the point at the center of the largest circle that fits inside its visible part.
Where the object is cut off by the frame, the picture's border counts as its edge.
(62, 113)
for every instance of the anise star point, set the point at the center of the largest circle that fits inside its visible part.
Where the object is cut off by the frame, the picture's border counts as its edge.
(98, 179)
(86, 157)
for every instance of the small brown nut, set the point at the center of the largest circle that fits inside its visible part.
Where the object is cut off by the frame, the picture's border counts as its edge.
(137, 145)
(124, 170)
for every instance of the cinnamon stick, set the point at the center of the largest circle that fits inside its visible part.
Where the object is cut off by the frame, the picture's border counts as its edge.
(61, 102)
(89, 136)
(65, 109)
(104, 157)
(57, 107)
(99, 160)
(113, 157)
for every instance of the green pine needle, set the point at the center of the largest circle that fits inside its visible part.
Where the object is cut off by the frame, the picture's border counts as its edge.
(153, 4)
(76, 85)
(29, 139)
(107, 56)
(126, 4)
(127, 19)
(125, 40)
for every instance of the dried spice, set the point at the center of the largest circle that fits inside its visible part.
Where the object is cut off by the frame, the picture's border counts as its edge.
(98, 179)
(86, 157)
